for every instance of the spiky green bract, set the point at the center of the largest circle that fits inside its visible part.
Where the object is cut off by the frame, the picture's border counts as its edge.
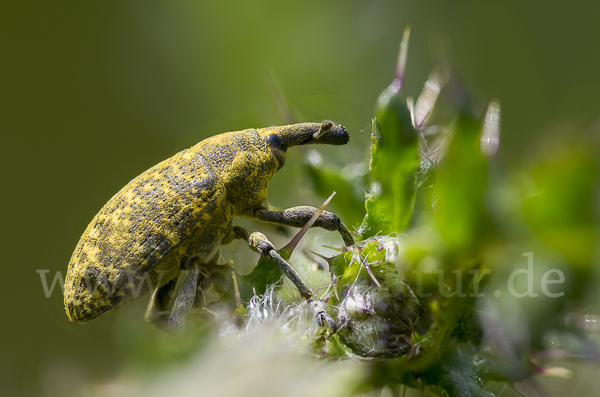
(396, 154)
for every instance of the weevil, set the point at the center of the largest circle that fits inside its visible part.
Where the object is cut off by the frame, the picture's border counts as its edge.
(175, 217)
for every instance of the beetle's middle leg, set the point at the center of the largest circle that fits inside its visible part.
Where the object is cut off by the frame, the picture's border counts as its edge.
(263, 246)
(299, 216)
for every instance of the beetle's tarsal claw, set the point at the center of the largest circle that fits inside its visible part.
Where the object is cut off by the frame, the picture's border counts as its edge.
(320, 321)
(321, 315)
(331, 322)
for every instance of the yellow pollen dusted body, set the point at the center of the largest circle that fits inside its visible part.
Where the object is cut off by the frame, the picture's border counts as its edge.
(177, 215)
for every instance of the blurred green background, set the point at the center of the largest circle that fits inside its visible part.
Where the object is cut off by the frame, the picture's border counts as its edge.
(94, 93)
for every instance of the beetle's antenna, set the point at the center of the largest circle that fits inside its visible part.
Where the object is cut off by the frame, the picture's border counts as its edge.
(326, 126)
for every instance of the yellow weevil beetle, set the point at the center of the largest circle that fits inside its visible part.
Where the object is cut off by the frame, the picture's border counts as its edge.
(178, 214)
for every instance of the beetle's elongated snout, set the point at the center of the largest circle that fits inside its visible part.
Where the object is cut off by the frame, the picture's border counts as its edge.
(326, 133)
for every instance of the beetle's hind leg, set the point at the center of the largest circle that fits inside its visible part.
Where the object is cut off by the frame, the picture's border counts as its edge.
(157, 308)
(263, 246)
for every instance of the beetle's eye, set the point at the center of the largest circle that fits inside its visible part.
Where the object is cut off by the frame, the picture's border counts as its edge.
(274, 141)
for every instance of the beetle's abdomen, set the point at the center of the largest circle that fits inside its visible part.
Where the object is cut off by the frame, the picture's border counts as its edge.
(138, 238)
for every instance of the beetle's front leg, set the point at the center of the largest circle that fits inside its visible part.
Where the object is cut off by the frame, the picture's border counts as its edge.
(299, 216)
(263, 246)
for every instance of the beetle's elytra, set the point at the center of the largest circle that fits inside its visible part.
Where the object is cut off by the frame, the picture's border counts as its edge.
(177, 215)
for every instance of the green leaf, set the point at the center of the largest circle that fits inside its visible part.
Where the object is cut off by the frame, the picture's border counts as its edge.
(265, 273)
(461, 375)
(376, 143)
(375, 221)
(395, 157)
(462, 177)
(394, 152)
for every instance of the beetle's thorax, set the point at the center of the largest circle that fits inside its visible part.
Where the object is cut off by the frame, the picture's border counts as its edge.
(245, 164)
